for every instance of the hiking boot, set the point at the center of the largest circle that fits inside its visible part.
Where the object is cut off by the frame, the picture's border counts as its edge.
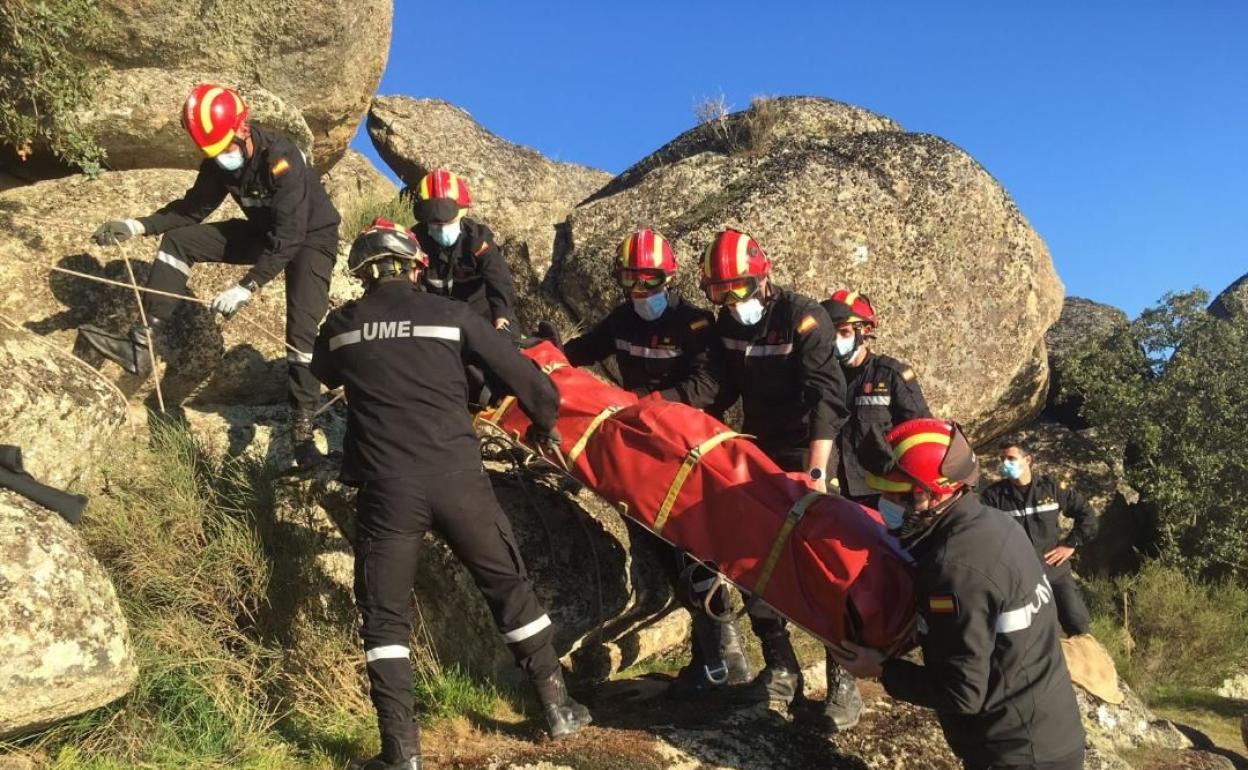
(732, 648)
(781, 680)
(399, 751)
(564, 716)
(303, 439)
(843, 707)
(706, 669)
(129, 351)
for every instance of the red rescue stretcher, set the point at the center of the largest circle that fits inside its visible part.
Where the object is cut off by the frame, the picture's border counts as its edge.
(824, 562)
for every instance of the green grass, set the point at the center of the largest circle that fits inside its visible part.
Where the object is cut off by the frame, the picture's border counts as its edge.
(236, 669)
(1208, 712)
(359, 212)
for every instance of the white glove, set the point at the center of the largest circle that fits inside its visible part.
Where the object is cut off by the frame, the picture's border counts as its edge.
(230, 301)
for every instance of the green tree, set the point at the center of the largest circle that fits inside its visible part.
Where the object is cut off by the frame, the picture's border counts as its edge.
(42, 83)
(1173, 388)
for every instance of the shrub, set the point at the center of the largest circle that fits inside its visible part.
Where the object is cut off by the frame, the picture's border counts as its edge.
(1167, 629)
(1173, 388)
(42, 84)
(358, 212)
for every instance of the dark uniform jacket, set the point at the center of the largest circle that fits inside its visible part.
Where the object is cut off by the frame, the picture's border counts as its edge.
(471, 270)
(400, 353)
(785, 372)
(993, 665)
(670, 354)
(278, 193)
(1037, 507)
(883, 392)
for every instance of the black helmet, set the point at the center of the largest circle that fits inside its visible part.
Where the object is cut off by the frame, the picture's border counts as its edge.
(387, 248)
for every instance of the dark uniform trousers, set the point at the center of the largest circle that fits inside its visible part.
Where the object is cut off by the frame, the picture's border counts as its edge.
(1072, 612)
(394, 515)
(1073, 762)
(238, 242)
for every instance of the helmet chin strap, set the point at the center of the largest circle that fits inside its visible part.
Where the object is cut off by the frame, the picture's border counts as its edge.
(917, 525)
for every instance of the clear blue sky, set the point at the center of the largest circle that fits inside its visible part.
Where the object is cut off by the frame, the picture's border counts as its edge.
(1120, 128)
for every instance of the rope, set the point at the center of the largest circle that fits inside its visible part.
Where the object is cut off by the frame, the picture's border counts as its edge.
(171, 295)
(151, 346)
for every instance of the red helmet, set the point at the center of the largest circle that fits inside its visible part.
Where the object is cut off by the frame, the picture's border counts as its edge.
(732, 267)
(929, 453)
(646, 250)
(212, 115)
(441, 196)
(847, 306)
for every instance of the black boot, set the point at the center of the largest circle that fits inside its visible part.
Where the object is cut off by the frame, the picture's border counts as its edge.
(564, 716)
(400, 750)
(129, 351)
(707, 669)
(843, 708)
(732, 648)
(303, 439)
(781, 681)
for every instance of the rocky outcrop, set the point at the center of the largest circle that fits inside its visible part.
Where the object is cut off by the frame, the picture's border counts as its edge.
(1083, 326)
(839, 196)
(1231, 300)
(50, 223)
(355, 179)
(136, 117)
(323, 58)
(523, 196)
(60, 411)
(64, 644)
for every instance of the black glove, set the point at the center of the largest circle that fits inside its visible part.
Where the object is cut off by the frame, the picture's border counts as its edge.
(542, 439)
(547, 331)
(115, 231)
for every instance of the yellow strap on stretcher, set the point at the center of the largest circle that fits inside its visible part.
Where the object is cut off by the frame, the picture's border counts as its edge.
(594, 424)
(686, 467)
(496, 416)
(553, 365)
(790, 522)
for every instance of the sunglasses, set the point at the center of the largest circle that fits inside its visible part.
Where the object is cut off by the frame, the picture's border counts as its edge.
(731, 292)
(647, 279)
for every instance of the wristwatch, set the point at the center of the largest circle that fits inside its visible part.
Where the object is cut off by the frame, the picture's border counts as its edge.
(815, 474)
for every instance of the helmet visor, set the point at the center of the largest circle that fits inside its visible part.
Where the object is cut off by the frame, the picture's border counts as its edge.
(631, 278)
(731, 292)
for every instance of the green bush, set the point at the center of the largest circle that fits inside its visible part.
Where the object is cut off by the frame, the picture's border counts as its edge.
(42, 83)
(1167, 629)
(1173, 389)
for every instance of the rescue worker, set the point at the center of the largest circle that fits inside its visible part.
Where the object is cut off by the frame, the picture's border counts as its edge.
(993, 668)
(1036, 502)
(411, 449)
(661, 345)
(464, 262)
(881, 392)
(779, 360)
(290, 227)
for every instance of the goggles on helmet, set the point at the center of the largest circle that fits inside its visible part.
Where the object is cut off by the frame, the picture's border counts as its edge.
(731, 292)
(632, 278)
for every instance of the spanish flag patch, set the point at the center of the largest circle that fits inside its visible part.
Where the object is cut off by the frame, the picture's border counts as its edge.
(281, 167)
(699, 324)
(942, 604)
(907, 375)
(806, 324)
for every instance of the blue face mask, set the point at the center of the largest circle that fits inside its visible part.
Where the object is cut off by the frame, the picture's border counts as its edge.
(446, 234)
(892, 513)
(231, 160)
(747, 313)
(650, 308)
(1012, 469)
